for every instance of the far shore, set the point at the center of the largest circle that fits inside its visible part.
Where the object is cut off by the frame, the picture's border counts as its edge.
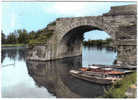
(13, 45)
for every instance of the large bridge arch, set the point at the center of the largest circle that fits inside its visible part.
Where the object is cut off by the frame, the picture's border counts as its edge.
(71, 40)
(65, 25)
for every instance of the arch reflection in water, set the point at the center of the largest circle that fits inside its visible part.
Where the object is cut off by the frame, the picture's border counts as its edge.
(54, 75)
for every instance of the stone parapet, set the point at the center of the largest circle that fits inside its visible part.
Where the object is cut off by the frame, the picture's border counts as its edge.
(122, 10)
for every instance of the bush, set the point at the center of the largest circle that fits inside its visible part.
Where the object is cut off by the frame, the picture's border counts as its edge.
(42, 39)
(120, 87)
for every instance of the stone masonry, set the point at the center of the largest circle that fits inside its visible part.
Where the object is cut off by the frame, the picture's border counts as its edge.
(120, 23)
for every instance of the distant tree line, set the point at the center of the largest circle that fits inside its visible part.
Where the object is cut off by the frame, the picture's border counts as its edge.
(18, 36)
(21, 36)
(106, 42)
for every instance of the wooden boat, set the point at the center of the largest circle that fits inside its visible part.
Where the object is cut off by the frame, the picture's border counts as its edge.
(129, 67)
(97, 75)
(94, 79)
(106, 71)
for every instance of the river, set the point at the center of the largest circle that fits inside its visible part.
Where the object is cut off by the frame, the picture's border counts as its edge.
(35, 79)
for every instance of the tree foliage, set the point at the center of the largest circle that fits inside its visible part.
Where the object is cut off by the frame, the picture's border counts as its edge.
(11, 38)
(97, 42)
(3, 37)
(119, 89)
(21, 36)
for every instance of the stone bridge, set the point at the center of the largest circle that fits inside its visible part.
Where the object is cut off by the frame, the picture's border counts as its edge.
(66, 41)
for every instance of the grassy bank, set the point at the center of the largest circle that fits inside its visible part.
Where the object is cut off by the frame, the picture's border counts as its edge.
(12, 45)
(119, 88)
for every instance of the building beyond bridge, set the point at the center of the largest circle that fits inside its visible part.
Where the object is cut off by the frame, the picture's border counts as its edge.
(120, 23)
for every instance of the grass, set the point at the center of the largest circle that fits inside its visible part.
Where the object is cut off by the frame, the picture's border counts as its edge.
(42, 39)
(12, 45)
(120, 87)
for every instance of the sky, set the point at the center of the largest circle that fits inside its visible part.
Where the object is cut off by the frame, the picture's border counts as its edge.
(36, 15)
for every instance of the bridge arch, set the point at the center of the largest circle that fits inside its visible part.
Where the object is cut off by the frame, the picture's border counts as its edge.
(71, 39)
(65, 25)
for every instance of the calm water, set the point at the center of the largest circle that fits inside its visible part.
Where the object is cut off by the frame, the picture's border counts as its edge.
(31, 79)
(94, 55)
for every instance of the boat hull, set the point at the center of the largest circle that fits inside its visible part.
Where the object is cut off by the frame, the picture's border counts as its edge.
(92, 79)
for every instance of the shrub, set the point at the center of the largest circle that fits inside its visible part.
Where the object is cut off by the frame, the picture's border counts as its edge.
(42, 39)
(120, 87)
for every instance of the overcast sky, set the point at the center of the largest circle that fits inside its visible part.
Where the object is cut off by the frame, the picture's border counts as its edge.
(36, 15)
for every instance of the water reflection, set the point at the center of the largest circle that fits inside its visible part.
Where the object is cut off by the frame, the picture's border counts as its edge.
(45, 79)
(14, 53)
(54, 75)
(16, 83)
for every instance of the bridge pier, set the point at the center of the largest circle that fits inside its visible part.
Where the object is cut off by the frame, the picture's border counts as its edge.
(126, 55)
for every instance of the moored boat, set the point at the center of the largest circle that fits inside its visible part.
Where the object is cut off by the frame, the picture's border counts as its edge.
(94, 79)
(98, 75)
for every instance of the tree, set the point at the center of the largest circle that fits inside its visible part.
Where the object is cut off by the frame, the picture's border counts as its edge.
(32, 35)
(23, 36)
(108, 40)
(16, 35)
(3, 37)
(11, 39)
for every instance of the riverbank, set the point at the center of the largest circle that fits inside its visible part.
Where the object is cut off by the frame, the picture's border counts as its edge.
(12, 45)
(121, 88)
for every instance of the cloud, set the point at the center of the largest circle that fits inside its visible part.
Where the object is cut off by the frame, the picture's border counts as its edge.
(77, 8)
